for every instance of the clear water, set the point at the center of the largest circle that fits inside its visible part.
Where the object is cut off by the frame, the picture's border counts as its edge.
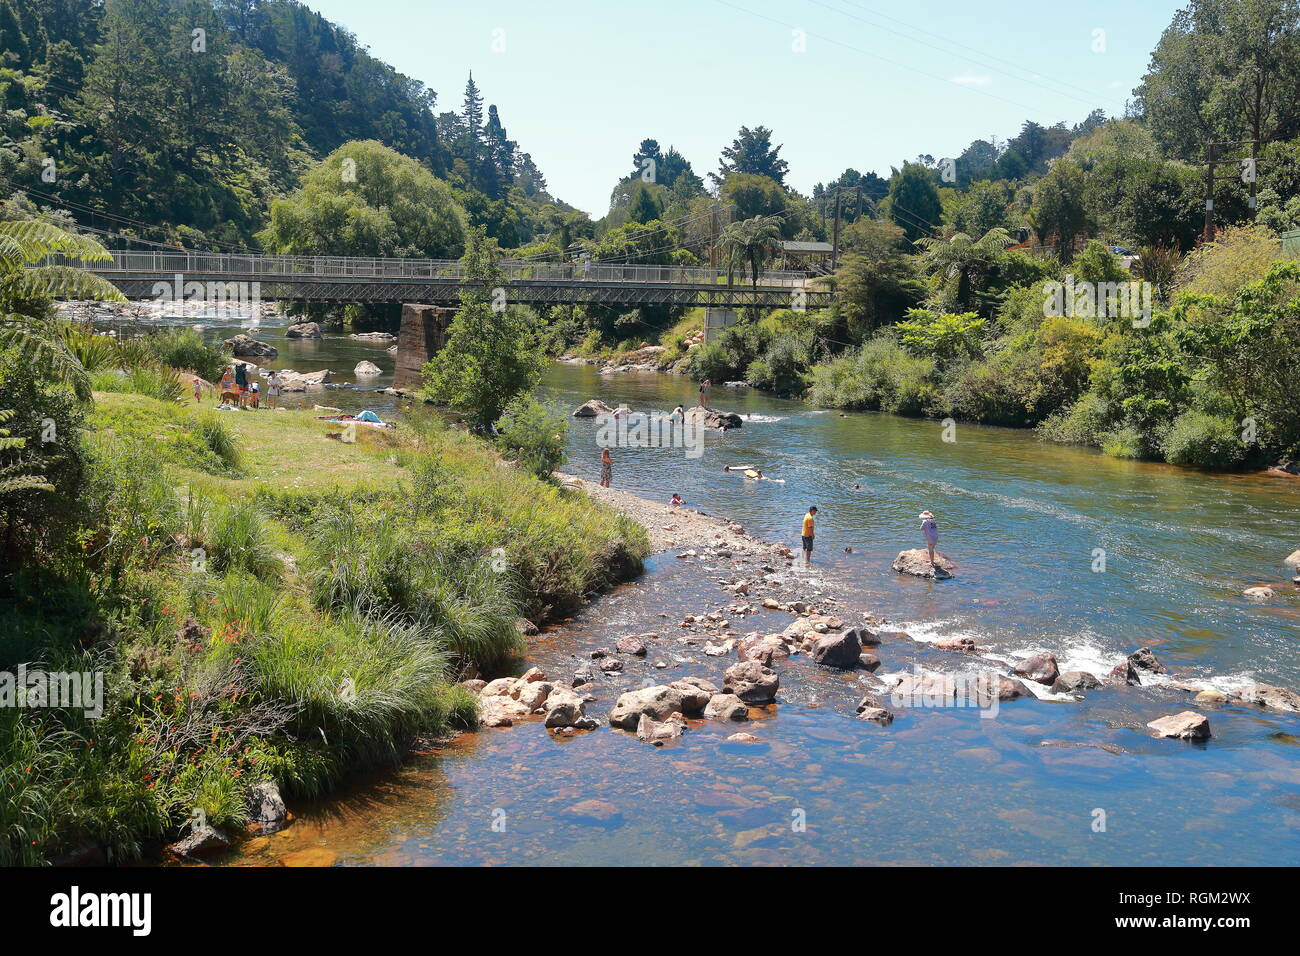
(1022, 520)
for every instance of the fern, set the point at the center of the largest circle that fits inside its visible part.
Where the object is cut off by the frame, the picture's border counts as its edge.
(19, 475)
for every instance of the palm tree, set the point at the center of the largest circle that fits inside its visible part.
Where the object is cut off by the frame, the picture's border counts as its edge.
(28, 281)
(751, 244)
(959, 260)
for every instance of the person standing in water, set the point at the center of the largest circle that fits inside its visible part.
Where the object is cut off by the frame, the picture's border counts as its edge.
(704, 393)
(931, 532)
(606, 468)
(809, 532)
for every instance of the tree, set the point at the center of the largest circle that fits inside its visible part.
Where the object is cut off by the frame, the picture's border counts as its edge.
(959, 262)
(644, 207)
(914, 201)
(491, 355)
(1058, 208)
(751, 195)
(365, 199)
(751, 243)
(875, 282)
(752, 152)
(1224, 70)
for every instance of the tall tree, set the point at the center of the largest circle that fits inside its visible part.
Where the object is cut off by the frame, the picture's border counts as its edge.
(914, 201)
(752, 152)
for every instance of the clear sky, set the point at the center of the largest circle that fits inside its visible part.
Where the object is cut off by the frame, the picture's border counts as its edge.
(867, 83)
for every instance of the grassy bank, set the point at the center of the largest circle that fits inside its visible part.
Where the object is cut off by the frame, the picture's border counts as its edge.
(267, 600)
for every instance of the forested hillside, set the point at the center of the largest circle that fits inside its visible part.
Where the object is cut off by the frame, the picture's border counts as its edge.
(180, 120)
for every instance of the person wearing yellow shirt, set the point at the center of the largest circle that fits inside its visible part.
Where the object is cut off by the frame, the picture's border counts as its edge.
(808, 534)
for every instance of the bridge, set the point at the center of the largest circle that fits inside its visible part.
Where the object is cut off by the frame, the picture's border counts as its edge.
(139, 275)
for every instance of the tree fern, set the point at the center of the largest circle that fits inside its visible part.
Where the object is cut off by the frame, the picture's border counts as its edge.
(18, 475)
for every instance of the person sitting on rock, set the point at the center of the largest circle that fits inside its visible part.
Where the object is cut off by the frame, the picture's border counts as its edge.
(931, 531)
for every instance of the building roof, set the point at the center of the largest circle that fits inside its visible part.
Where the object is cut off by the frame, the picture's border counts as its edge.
(791, 246)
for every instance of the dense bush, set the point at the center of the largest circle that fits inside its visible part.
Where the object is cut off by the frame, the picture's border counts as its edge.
(1204, 440)
(533, 434)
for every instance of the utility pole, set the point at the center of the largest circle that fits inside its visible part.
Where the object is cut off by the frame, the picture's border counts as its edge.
(835, 237)
(1208, 235)
(713, 236)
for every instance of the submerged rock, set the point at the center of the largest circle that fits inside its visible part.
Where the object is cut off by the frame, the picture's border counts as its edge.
(917, 563)
(1189, 725)
(1266, 695)
(1258, 594)
(648, 728)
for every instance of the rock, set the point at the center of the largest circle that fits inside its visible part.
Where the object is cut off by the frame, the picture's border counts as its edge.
(869, 662)
(695, 692)
(1072, 681)
(591, 409)
(533, 694)
(1189, 725)
(630, 645)
(610, 665)
(311, 856)
(586, 674)
(838, 650)
(1266, 695)
(1038, 667)
(501, 687)
(301, 381)
(373, 336)
(564, 708)
(532, 675)
(1292, 560)
(1211, 696)
(742, 738)
(500, 710)
(366, 369)
(763, 648)
(917, 562)
(241, 345)
(200, 842)
(658, 702)
(713, 418)
(877, 714)
(751, 682)
(868, 638)
(525, 627)
(649, 729)
(1258, 594)
(726, 707)
(966, 644)
(1002, 687)
(266, 806)
(1124, 674)
(1144, 659)
(772, 604)
(303, 330)
(599, 812)
(473, 685)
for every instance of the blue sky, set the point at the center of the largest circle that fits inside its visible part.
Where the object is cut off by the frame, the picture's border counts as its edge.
(579, 84)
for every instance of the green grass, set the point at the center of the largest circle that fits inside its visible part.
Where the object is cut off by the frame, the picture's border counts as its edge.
(268, 601)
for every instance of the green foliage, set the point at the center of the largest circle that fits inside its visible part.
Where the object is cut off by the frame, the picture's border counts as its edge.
(533, 434)
(880, 375)
(186, 350)
(913, 201)
(875, 282)
(491, 355)
(945, 337)
(1203, 440)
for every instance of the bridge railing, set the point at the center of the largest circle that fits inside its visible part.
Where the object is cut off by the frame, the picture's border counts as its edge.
(163, 265)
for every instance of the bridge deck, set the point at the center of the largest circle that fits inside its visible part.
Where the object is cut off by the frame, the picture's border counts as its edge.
(357, 279)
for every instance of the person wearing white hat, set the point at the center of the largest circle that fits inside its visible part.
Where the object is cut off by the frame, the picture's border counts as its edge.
(931, 531)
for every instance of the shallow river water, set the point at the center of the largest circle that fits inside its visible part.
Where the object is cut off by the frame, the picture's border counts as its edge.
(1044, 782)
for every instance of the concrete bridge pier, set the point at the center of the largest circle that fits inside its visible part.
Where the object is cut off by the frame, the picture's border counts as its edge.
(422, 334)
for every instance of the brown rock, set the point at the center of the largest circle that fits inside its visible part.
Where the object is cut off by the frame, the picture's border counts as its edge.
(1189, 725)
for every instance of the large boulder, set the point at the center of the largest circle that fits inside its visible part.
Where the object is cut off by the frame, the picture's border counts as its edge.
(564, 708)
(751, 682)
(658, 702)
(266, 806)
(713, 418)
(303, 330)
(726, 707)
(763, 648)
(201, 841)
(630, 645)
(1038, 667)
(989, 687)
(838, 650)
(366, 369)
(1189, 725)
(242, 345)
(917, 563)
(591, 409)
(695, 692)
(923, 689)
(301, 381)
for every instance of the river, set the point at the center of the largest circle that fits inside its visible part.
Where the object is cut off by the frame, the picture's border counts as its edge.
(1028, 525)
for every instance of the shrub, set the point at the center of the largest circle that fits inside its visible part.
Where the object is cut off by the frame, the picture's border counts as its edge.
(1203, 440)
(534, 434)
(1124, 442)
(185, 349)
(237, 539)
(1082, 423)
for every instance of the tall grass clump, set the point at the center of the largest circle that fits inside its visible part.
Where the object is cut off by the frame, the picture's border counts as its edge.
(238, 539)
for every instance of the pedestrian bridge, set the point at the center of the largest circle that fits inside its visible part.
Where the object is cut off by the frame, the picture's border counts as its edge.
(328, 279)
